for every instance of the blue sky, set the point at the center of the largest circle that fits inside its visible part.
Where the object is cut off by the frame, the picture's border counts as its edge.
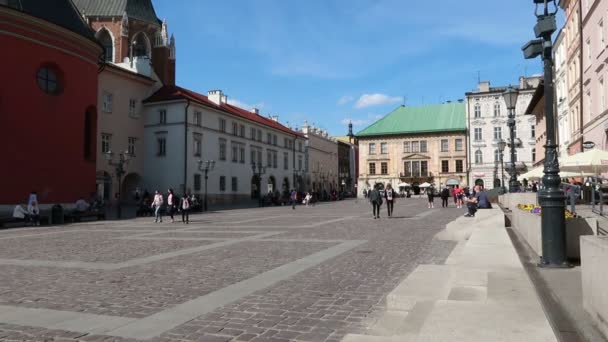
(331, 61)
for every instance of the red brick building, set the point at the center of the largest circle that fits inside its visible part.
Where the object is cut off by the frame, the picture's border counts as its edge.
(48, 101)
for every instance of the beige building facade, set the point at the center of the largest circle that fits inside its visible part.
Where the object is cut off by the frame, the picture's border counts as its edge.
(413, 159)
(321, 159)
(415, 145)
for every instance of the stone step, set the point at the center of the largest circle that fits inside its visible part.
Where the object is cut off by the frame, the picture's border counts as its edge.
(371, 338)
(426, 282)
(389, 324)
(484, 321)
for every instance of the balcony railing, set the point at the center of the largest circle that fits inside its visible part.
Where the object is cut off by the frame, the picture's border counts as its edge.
(411, 175)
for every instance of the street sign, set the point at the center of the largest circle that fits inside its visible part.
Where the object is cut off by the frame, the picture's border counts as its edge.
(587, 145)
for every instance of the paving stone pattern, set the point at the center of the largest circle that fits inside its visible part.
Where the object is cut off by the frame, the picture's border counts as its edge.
(333, 297)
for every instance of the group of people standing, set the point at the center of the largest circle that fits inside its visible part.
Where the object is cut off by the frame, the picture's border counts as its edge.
(475, 199)
(377, 198)
(174, 205)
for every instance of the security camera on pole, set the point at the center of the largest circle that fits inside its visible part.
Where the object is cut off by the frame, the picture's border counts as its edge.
(551, 197)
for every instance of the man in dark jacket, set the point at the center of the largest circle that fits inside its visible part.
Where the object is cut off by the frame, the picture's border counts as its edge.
(376, 199)
(445, 194)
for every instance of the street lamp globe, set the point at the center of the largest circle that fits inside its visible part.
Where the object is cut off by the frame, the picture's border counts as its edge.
(502, 145)
(510, 96)
(109, 155)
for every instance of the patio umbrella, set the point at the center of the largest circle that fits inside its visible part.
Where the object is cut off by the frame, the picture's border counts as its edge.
(424, 185)
(403, 185)
(537, 173)
(594, 161)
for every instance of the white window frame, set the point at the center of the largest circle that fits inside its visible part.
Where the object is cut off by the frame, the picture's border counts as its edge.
(131, 141)
(478, 157)
(133, 108)
(478, 134)
(106, 142)
(106, 105)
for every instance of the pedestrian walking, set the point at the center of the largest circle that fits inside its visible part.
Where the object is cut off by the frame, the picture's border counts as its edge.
(390, 195)
(430, 192)
(157, 204)
(307, 198)
(171, 204)
(365, 193)
(445, 194)
(459, 193)
(294, 199)
(184, 205)
(376, 199)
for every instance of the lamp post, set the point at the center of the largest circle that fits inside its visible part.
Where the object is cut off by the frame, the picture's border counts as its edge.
(551, 197)
(501, 147)
(296, 177)
(510, 97)
(123, 160)
(258, 171)
(206, 166)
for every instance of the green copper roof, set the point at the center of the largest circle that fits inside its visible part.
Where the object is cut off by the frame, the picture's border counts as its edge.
(422, 119)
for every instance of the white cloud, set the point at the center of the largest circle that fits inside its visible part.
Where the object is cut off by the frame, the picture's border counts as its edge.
(241, 104)
(368, 100)
(345, 99)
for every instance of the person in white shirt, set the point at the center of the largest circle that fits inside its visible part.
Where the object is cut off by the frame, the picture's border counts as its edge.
(171, 205)
(389, 195)
(82, 205)
(185, 208)
(34, 213)
(157, 204)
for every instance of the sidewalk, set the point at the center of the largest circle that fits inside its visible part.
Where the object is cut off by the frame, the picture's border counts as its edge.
(481, 293)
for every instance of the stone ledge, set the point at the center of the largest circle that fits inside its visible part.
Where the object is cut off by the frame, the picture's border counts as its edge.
(594, 256)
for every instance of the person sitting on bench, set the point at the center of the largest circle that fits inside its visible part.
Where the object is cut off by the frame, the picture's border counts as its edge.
(34, 213)
(81, 206)
(471, 206)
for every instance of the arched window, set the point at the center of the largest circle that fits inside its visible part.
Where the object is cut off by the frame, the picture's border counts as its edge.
(478, 157)
(497, 155)
(141, 45)
(533, 155)
(496, 109)
(477, 110)
(105, 39)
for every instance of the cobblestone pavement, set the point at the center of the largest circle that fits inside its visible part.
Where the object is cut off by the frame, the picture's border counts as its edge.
(263, 274)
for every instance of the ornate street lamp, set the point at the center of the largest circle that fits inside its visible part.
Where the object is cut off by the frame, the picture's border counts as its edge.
(258, 170)
(551, 197)
(119, 165)
(297, 174)
(510, 96)
(501, 147)
(206, 166)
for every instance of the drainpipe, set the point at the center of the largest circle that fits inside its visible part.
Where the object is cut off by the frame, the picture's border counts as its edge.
(186, 147)
(581, 95)
(467, 136)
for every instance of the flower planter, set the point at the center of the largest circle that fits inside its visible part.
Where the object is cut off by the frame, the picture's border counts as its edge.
(529, 227)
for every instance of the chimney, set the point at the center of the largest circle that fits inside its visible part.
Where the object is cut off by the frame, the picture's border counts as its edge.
(255, 111)
(449, 101)
(224, 98)
(460, 100)
(215, 96)
(484, 86)
(274, 118)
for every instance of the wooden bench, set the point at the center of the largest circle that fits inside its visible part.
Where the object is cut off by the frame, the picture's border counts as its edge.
(75, 216)
(13, 222)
